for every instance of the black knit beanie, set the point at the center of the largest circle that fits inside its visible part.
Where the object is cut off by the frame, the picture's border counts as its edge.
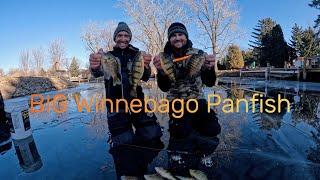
(177, 28)
(122, 26)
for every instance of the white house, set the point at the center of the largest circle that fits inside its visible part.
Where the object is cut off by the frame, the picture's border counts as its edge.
(298, 63)
(309, 62)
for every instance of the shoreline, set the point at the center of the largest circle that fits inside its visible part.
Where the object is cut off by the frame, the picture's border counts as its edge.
(13, 87)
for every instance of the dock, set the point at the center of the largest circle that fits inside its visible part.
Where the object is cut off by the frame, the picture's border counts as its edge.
(300, 74)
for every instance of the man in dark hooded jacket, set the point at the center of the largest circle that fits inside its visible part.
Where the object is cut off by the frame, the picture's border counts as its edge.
(192, 125)
(120, 123)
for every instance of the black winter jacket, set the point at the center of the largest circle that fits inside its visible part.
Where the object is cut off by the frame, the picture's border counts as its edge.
(126, 56)
(208, 76)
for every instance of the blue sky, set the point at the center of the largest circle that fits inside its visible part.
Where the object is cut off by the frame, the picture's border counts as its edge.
(34, 23)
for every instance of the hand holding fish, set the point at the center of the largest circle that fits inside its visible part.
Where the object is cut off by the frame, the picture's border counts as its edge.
(210, 60)
(95, 59)
(147, 59)
(157, 63)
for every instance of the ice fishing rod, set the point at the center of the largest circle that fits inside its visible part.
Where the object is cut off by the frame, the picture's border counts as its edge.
(178, 151)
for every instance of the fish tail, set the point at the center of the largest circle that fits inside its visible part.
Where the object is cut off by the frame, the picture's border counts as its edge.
(133, 92)
(197, 174)
(116, 81)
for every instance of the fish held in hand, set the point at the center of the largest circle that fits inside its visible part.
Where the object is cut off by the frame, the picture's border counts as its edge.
(137, 72)
(194, 64)
(111, 67)
(167, 66)
(184, 178)
(129, 178)
(153, 177)
(197, 174)
(164, 173)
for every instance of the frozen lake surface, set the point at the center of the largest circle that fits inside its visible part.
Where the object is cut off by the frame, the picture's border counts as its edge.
(73, 145)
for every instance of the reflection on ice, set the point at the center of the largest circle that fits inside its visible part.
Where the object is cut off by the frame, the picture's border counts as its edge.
(27, 153)
(281, 145)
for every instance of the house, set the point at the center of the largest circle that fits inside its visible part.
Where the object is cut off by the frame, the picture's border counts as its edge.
(298, 63)
(84, 73)
(313, 61)
(308, 62)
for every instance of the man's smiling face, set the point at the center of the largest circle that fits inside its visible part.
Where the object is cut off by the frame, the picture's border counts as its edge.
(122, 40)
(178, 40)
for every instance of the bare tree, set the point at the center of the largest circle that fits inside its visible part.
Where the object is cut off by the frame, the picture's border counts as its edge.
(152, 20)
(107, 35)
(57, 53)
(14, 72)
(25, 62)
(38, 59)
(66, 63)
(2, 72)
(98, 35)
(87, 65)
(218, 22)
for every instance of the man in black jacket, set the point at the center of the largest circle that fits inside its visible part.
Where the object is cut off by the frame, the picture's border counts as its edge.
(4, 125)
(201, 123)
(120, 123)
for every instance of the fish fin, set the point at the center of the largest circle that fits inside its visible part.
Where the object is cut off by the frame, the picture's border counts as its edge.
(133, 92)
(192, 75)
(197, 174)
(164, 173)
(116, 81)
(152, 177)
(107, 76)
(184, 178)
(139, 53)
(129, 178)
(191, 51)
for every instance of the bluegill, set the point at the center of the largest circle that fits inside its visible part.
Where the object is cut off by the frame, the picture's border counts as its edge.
(129, 178)
(111, 67)
(184, 178)
(153, 177)
(167, 66)
(197, 174)
(137, 72)
(194, 64)
(164, 173)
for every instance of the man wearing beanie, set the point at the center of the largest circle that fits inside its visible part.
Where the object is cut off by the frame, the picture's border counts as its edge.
(120, 123)
(192, 127)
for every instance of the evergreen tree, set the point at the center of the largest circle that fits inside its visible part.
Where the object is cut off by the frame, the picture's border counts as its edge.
(278, 48)
(316, 4)
(234, 58)
(74, 67)
(304, 42)
(292, 53)
(296, 38)
(264, 27)
(248, 57)
(273, 47)
(309, 45)
(262, 30)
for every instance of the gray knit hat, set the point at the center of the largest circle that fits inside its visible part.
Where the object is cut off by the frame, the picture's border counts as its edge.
(177, 28)
(122, 26)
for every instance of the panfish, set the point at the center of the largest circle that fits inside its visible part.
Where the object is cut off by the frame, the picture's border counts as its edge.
(153, 177)
(111, 67)
(129, 178)
(164, 173)
(185, 178)
(198, 175)
(194, 64)
(167, 66)
(137, 72)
